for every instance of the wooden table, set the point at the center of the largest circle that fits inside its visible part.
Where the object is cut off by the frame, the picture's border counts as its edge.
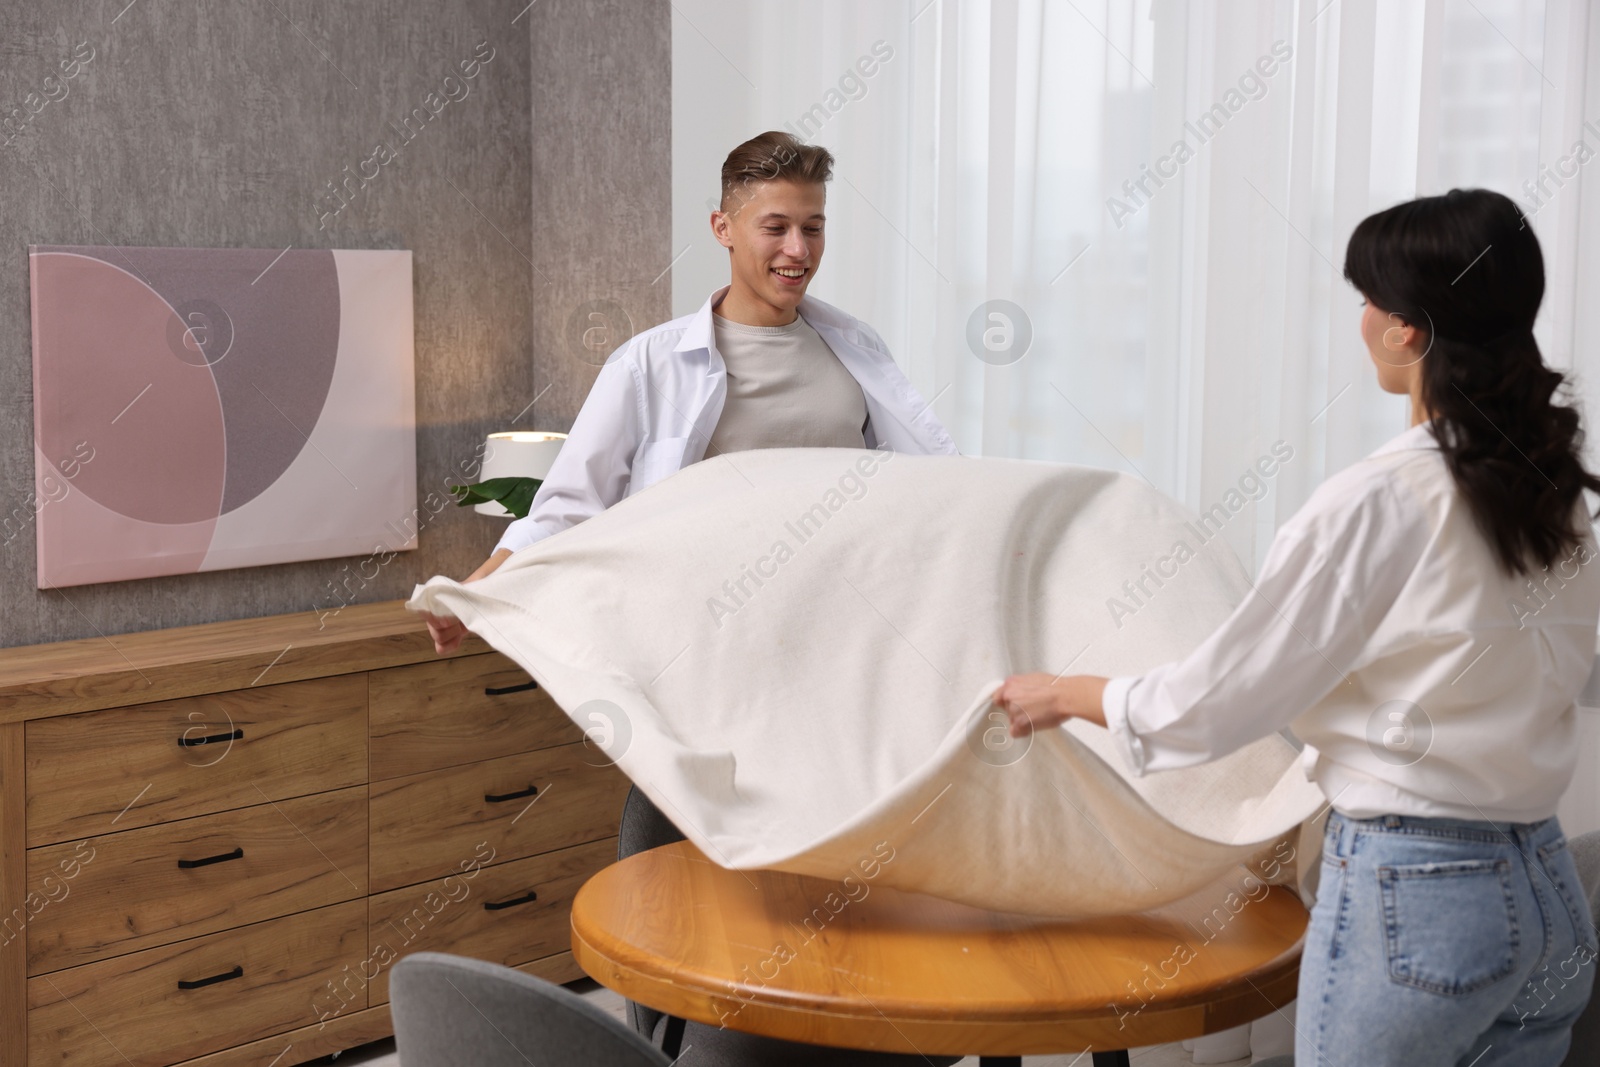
(796, 958)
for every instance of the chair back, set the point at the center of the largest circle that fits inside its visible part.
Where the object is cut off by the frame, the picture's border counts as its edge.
(643, 826)
(450, 1010)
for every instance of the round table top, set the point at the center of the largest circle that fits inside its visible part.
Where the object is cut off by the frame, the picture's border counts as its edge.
(798, 958)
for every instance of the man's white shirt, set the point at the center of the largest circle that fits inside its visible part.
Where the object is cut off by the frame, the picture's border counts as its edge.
(657, 400)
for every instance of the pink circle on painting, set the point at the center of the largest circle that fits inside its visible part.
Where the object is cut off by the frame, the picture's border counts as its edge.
(153, 424)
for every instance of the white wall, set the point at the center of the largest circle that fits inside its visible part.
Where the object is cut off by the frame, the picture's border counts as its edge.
(740, 69)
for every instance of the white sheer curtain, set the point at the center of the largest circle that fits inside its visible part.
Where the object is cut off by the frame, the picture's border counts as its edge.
(1186, 306)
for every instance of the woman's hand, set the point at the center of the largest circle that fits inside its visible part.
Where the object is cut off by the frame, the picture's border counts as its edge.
(448, 633)
(1036, 701)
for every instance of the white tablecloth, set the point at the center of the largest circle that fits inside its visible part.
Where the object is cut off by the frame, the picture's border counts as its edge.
(791, 650)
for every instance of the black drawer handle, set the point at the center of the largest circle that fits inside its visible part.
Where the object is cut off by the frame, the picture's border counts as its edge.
(503, 690)
(189, 865)
(237, 972)
(190, 742)
(491, 905)
(501, 798)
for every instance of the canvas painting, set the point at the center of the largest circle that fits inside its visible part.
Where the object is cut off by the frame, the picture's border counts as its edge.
(198, 409)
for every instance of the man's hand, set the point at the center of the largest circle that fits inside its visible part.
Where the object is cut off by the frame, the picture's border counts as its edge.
(1037, 701)
(490, 565)
(448, 633)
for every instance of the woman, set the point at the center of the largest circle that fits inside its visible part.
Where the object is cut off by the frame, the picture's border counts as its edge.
(1424, 623)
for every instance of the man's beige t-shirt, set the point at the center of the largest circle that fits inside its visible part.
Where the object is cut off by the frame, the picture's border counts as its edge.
(786, 389)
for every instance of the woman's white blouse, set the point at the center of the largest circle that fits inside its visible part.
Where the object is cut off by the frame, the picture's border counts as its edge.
(1422, 678)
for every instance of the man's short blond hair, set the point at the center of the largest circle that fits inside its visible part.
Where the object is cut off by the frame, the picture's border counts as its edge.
(770, 157)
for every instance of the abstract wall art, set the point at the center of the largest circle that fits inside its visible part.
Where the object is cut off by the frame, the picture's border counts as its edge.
(203, 409)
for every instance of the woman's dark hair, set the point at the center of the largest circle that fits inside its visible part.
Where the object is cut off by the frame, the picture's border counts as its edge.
(1465, 269)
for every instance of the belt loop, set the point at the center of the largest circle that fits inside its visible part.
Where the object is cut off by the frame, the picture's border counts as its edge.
(1391, 821)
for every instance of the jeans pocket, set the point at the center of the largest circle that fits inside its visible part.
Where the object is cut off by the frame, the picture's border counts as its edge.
(1557, 863)
(1451, 928)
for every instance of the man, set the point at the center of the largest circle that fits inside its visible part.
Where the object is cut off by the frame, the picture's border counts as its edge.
(760, 365)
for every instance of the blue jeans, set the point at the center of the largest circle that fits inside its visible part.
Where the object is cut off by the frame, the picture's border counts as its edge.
(1444, 943)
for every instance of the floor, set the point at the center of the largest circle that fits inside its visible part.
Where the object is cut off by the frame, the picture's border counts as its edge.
(382, 1053)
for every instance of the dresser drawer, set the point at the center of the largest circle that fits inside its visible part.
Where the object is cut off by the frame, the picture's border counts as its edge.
(425, 826)
(159, 884)
(277, 969)
(104, 771)
(486, 912)
(438, 714)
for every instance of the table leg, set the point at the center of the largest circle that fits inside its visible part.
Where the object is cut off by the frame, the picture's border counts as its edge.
(672, 1036)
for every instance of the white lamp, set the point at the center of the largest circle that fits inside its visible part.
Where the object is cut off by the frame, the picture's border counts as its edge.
(517, 454)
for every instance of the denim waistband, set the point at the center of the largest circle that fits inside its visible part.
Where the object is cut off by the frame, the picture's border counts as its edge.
(1343, 828)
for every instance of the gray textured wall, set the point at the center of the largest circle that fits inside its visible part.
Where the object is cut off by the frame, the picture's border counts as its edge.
(602, 186)
(215, 125)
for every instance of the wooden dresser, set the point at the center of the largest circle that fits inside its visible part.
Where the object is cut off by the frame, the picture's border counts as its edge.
(216, 840)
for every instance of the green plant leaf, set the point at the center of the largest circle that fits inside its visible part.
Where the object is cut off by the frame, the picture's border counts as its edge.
(513, 494)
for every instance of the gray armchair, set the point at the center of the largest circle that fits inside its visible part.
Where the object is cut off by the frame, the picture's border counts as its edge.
(450, 1011)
